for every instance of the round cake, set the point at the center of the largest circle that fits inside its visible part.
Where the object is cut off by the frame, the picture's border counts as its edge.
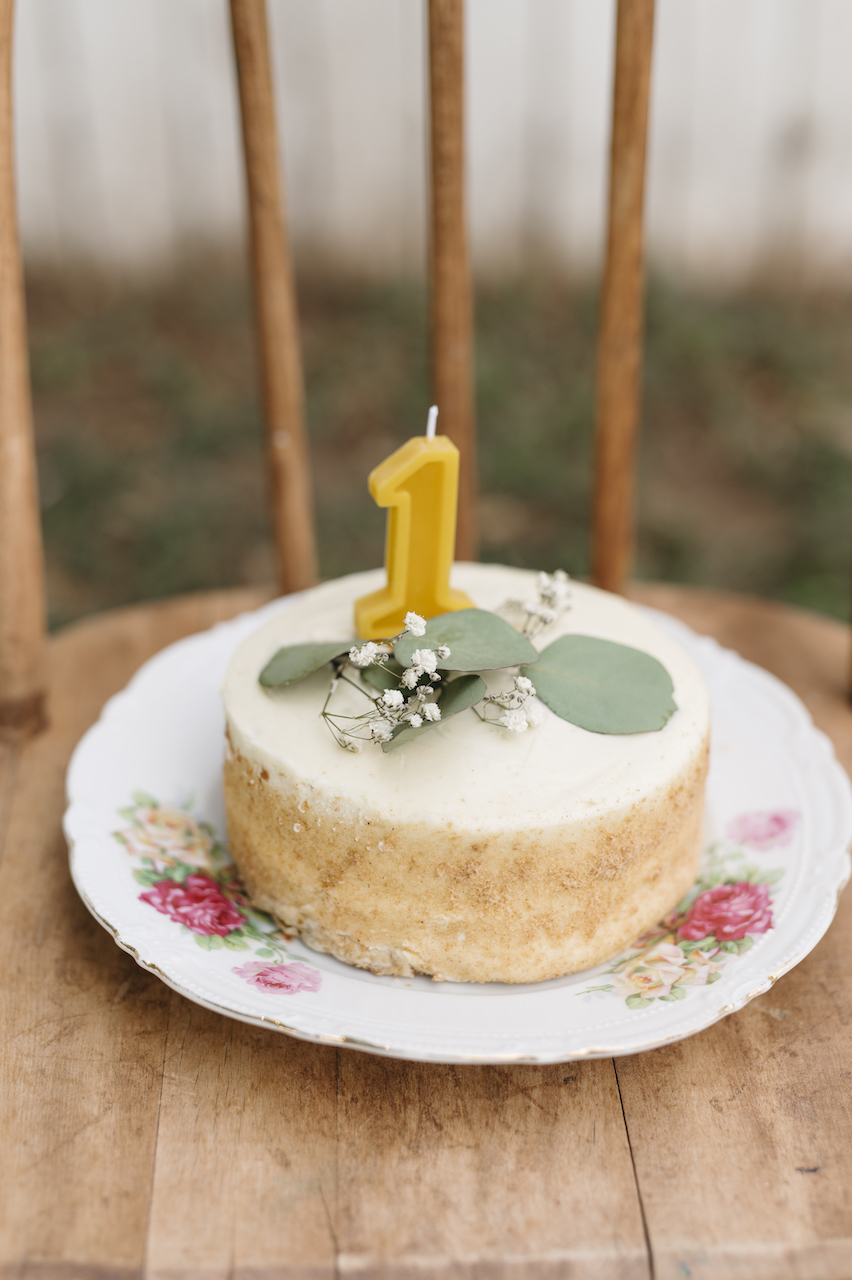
(473, 854)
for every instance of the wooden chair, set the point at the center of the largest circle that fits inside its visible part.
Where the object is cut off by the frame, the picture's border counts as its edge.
(143, 1134)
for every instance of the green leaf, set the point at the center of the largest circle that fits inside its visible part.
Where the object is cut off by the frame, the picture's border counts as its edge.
(713, 977)
(209, 943)
(677, 993)
(729, 946)
(382, 678)
(770, 877)
(745, 944)
(478, 641)
(143, 800)
(637, 1002)
(235, 943)
(148, 878)
(602, 686)
(456, 696)
(300, 660)
(266, 952)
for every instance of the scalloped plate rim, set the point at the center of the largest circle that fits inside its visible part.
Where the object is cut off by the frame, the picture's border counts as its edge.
(807, 934)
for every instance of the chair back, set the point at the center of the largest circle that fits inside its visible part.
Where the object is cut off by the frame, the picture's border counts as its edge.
(22, 610)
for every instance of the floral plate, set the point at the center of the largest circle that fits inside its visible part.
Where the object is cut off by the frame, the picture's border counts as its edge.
(146, 826)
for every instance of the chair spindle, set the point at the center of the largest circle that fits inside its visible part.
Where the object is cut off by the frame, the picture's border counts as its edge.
(451, 301)
(22, 608)
(275, 304)
(618, 391)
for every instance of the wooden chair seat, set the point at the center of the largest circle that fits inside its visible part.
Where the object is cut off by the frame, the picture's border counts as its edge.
(142, 1133)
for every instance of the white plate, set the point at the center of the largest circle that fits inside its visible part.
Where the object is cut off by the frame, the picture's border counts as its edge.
(779, 827)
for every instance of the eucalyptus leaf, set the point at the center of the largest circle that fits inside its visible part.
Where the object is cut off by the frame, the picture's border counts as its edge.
(478, 641)
(456, 696)
(300, 660)
(602, 686)
(382, 678)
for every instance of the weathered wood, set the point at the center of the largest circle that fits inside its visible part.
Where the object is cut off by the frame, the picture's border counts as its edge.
(22, 610)
(619, 355)
(452, 300)
(245, 1154)
(485, 1172)
(757, 1109)
(82, 1028)
(144, 1135)
(275, 304)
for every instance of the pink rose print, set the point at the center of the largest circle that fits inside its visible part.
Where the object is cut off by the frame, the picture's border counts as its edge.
(729, 911)
(764, 830)
(286, 979)
(199, 903)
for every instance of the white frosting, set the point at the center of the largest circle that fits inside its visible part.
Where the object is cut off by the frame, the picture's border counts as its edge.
(480, 776)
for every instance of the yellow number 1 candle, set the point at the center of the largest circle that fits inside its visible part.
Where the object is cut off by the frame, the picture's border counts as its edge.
(420, 485)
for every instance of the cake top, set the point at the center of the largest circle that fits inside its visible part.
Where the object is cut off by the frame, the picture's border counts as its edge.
(462, 769)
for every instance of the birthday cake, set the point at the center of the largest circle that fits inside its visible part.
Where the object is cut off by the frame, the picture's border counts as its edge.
(525, 837)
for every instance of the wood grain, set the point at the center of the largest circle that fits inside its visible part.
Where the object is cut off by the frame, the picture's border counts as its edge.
(619, 353)
(452, 300)
(245, 1153)
(275, 304)
(22, 608)
(146, 1136)
(758, 1109)
(82, 1028)
(491, 1172)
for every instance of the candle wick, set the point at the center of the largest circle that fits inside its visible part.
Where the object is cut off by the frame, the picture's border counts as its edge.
(432, 422)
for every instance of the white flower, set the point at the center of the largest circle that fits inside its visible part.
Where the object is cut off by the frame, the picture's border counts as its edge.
(410, 677)
(515, 720)
(432, 711)
(381, 730)
(425, 659)
(415, 624)
(365, 655)
(415, 720)
(523, 685)
(534, 712)
(444, 651)
(392, 698)
(352, 744)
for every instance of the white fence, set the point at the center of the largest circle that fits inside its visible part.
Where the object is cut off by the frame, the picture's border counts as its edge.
(128, 149)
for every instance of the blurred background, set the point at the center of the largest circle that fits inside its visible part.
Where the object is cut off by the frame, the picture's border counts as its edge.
(133, 222)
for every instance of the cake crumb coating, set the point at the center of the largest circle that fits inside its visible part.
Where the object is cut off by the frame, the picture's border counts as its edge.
(463, 855)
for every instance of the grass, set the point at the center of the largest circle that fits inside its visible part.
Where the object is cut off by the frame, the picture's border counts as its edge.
(150, 442)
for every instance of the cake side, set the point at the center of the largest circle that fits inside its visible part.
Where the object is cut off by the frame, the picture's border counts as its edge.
(521, 905)
(473, 854)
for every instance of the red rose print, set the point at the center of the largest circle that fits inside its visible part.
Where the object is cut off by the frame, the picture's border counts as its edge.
(199, 903)
(765, 829)
(286, 979)
(729, 911)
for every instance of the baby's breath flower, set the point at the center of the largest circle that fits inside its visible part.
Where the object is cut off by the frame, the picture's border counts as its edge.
(392, 698)
(352, 744)
(444, 651)
(410, 677)
(514, 720)
(432, 712)
(415, 624)
(415, 720)
(364, 655)
(523, 685)
(534, 712)
(381, 730)
(425, 659)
